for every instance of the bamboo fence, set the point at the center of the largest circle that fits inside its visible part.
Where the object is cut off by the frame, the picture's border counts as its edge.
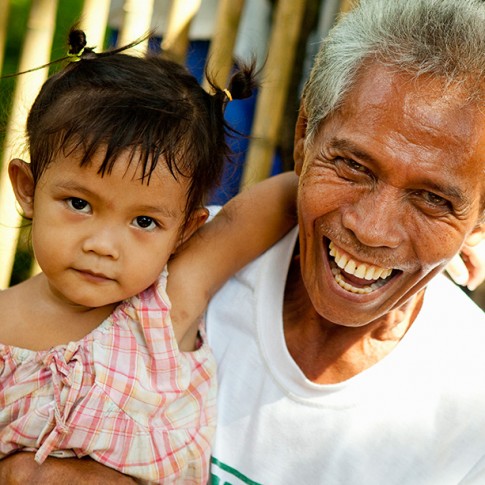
(137, 15)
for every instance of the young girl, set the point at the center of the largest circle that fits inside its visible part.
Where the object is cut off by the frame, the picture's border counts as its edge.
(101, 353)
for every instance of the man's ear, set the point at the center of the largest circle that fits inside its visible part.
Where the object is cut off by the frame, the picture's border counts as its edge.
(197, 220)
(23, 185)
(300, 136)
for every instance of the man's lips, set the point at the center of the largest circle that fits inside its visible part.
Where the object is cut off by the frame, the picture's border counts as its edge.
(356, 276)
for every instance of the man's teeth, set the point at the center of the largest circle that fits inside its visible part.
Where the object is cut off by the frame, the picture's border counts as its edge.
(360, 270)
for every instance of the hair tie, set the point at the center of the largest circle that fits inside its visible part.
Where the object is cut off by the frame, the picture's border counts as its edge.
(75, 57)
(228, 94)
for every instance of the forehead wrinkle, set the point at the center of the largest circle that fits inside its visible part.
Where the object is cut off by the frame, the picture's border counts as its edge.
(434, 125)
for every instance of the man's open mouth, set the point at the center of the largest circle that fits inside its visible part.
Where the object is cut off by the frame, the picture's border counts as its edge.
(355, 276)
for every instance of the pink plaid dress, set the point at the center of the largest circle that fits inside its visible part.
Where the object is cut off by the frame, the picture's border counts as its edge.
(124, 395)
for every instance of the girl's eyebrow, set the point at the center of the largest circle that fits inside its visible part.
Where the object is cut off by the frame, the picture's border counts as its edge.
(72, 185)
(164, 211)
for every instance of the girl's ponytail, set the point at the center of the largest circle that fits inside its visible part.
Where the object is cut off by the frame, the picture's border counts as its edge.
(77, 46)
(241, 84)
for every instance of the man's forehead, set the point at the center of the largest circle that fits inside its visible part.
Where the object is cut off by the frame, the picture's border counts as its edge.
(375, 83)
(422, 104)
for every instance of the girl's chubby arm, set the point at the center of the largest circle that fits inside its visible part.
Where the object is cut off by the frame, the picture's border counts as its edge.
(244, 228)
(21, 469)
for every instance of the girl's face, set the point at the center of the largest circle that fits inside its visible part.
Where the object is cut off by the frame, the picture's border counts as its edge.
(100, 240)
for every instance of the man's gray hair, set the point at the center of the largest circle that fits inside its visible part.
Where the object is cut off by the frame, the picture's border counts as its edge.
(443, 38)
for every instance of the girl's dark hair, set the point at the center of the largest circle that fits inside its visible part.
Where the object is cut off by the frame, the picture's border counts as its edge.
(150, 106)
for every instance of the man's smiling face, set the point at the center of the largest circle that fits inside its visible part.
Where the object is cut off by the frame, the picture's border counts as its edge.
(390, 188)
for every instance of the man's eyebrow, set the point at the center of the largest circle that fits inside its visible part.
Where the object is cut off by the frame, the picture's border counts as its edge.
(448, 191)
(346, 145)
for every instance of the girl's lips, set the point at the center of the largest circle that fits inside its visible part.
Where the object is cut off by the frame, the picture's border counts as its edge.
(92, 276)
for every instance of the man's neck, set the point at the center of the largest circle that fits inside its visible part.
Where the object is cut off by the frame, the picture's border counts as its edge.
(328, 353)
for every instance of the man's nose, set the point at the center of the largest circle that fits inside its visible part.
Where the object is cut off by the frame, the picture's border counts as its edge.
(375, 218)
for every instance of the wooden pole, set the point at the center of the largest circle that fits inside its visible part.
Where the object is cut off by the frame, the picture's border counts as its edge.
(36, 51)
(276, 80)
(136, 23)
(220, 57)
(94, 19)
(4, 10)
(176, 40)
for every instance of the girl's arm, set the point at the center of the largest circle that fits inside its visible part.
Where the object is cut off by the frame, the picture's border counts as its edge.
(244, 228)
(20, 468)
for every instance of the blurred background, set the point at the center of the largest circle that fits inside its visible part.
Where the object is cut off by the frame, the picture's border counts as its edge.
(282, 35)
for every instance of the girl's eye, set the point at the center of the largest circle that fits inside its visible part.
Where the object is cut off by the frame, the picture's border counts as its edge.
(144, 222)
(78, 205)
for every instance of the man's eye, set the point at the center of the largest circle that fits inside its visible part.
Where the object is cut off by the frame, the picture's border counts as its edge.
(355, 165)
(351, 170)
(433, 202)
(144, 222)
(434, 199)
(78, 205)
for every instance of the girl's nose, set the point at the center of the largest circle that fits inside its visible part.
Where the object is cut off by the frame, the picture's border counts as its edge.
(103, 242)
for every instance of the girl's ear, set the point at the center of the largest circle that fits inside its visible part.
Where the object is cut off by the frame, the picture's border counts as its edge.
(23, 185)
(197, 220)
(299, 143)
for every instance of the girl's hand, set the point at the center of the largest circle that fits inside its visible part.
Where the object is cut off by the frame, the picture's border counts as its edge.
(468, 267)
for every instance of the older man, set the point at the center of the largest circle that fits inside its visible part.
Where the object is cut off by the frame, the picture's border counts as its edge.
(345, 362)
